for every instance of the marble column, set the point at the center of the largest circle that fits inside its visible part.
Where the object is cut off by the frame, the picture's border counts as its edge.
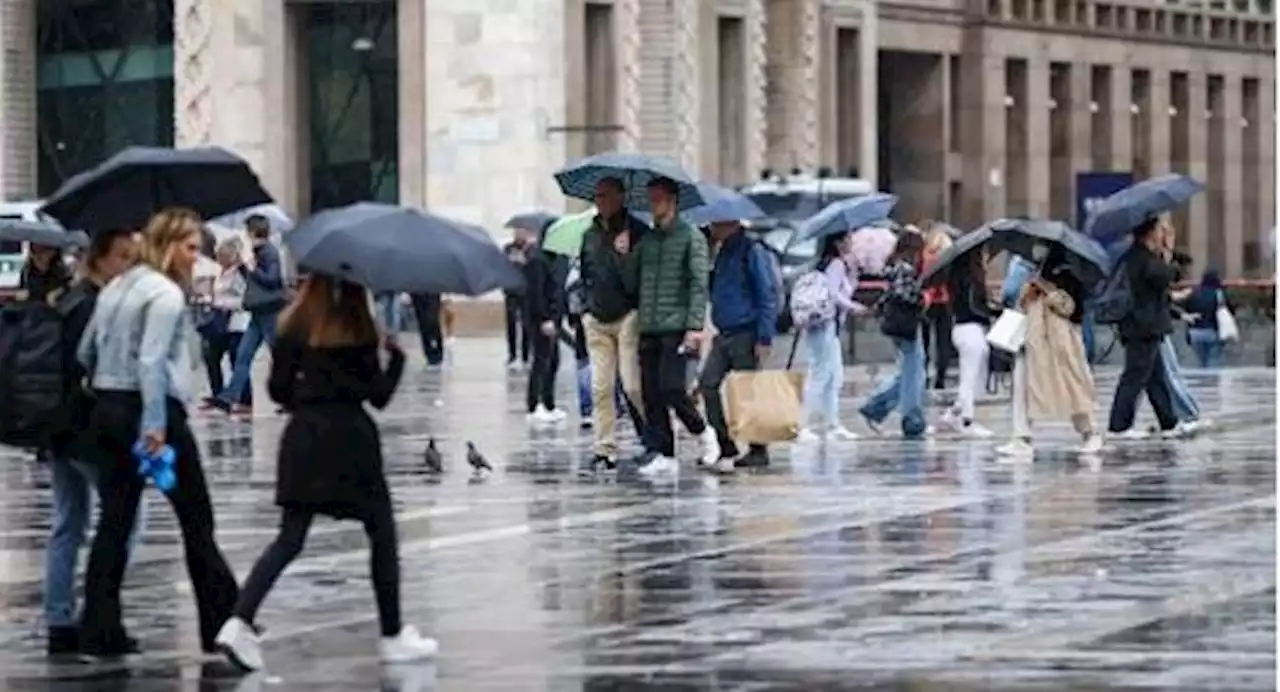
(193, 57)
(1159, 123)
(626, 19)
(793, 46)
(688, 92)
(1233, 191)
(1200, 225)
(18, 130)
(982, 131)
(1081, 123)
(413, 161)
(1039, 137)
(757, 120)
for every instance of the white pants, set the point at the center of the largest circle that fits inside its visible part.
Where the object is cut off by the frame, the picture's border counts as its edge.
(1021, 423)
(970, 340)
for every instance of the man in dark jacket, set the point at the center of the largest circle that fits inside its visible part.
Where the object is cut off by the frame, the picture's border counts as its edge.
(1150, 318)
(426, 310)
(671, 264)
(611, 326)
(744, 311)
(513, 301)
(542, 310)
(264, 298)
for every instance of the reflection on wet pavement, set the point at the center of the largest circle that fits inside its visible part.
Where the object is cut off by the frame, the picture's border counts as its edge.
(856, 566)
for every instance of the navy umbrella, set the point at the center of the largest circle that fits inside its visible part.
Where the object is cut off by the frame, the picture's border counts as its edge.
(123, 192)
(44, 234)
(1129, 208)
(847, 215)
(391, 248)
(722, 204)
(1031, 239)
(636, 171)
(533, 221)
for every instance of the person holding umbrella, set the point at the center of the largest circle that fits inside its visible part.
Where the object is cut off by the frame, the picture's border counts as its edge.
(264, 297)
(543, 308)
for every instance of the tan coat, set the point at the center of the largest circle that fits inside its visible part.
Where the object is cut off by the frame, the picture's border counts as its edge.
(1059, 382)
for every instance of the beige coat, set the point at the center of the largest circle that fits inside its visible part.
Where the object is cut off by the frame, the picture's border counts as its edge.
(1059, 382)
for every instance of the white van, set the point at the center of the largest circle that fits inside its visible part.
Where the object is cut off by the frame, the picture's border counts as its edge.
(14, 255)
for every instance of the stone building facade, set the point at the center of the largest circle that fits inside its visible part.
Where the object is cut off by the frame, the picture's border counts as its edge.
(968, 109)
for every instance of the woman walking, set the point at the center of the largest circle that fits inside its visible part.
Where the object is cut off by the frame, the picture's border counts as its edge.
(938, 314)
(825, 375)
(324, 367)
(1051, 377)
(224, 321)
(1202, 307)
(972, 313)
(137, 351)
(900, 311)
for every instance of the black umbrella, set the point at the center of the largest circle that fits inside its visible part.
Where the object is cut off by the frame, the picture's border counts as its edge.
(124, 191)
(533, 221)
(43, 234)
(1030, 239)
(390, 248)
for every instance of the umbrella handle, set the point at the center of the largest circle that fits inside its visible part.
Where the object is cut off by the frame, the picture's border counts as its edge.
(795, 344)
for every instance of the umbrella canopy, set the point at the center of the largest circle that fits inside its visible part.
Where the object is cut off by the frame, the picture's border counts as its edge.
(564, 237)
(275, 215)
(636, 171)
(722, 204)
(44, 234)
(848, 214)
(391, 248)
(124, 191)
(870, 248)
(1030, 239)
(1129, 208)
(534, 221)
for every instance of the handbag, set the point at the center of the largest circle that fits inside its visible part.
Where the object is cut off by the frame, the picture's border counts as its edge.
(212, 323)
(1009, 333)
(899, 320)
(1228, 330)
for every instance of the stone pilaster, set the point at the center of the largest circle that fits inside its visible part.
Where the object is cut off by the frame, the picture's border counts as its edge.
(1121, 118)
(1199, 225)
(1159, 128)
(793, 76)
(626, 20)
(757, 99)
(1039, 137)
(1233, 190)
(193, 29)
(687, 91)
(18, 135)
(810, 74)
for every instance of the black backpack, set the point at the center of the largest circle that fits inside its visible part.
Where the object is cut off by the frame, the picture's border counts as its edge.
(33, 392)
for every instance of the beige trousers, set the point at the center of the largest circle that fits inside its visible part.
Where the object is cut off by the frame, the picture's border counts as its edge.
(614, 350)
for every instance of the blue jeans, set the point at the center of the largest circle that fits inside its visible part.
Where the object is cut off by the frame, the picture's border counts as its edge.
(1184, 405)
(904, 391)
(825, 376)
(388, 312)
(1208, 347)
(262, 329)
(584, 389)
(74, 486)
(1087, 328)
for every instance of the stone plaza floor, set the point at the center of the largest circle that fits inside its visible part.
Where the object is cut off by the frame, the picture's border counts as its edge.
(880, 564)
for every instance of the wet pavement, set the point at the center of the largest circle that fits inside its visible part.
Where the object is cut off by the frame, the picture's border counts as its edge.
(881, 564)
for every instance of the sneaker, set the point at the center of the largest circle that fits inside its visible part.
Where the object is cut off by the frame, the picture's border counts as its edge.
(659, 465)
(753, 459)
(1092, 444)
(514, 366)
(241, 645)
(950, 421)
(710, 447)
(1131, 434)
(556, 415)
(1016, 448)
(1182, 430)
(724, 465)
(585, 423)
(407, 646)
(595, 463)
(975, 430)
(842, 434)
(63, 640)
(807, 437)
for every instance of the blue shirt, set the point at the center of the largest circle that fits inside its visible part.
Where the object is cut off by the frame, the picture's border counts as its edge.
(742, 292)
(1017, 276)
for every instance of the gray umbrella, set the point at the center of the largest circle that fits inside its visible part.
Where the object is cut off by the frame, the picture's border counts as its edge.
(37, 233)
(391, 248)
(1119, 214)
(533, 221)
(1032, 239)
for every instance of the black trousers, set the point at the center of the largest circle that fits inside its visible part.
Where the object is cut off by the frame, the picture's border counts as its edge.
(542, 373)
(517, 332)
(663, 386)
(1143, 371)
(216, 349)
(114, 427)
(384, 564)
(426, 309)
(729, 352)
(937, 342)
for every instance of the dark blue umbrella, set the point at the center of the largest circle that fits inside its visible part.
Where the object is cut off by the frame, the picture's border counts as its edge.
(722, 204)
(1129, 208)
(533, 221)
(123, 192)
(636, 171)
(847, 215)
(390, 248)
(275, 215)
(44, 234)
(1031, 239)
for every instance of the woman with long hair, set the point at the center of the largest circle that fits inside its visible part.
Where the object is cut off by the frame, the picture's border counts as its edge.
(825, 374)
(137, 353)
(972, 315)
(226, 321)
(902, 306)
(324, 368)
(938, 314)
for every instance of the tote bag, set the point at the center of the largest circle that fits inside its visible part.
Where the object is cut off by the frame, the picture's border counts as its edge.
(1009, 332)
(1228, 330)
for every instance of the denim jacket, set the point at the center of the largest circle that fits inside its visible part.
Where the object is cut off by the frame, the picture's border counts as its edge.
(137, 341)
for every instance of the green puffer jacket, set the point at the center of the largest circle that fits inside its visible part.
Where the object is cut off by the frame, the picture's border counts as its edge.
(672, 266)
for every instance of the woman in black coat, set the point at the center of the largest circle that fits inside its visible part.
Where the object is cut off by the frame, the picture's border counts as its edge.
(324, 367)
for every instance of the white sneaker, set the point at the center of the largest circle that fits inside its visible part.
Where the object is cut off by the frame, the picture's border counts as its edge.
(658, 466)
(976, 430)
(842, 434)
(241, 645)
(1092, 444)
(724, 465)
(950, 421)
(1134, 433)
(556, 415)
(1182, 430)
(407, 646)
(514, 366)
(1016, 448)
(710, 447)
(807, 437)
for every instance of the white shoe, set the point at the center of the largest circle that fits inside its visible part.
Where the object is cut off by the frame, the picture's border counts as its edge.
(1092, 444)
(1131, 434)
(659, 466)
(514, 366)
(710, 447)
(807, 437)
(976, 430)
(842, 434)
(724, 465)
(1016, 448)
(241, 645)
(407, 646)
(1182, 430)
(950, 421)
(556, 415)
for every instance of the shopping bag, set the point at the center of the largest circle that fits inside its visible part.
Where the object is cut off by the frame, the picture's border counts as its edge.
(763, 406)
(1009, 332)
(1228, 330)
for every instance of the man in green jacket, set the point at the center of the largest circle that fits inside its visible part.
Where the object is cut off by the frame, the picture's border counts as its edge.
(672, 266)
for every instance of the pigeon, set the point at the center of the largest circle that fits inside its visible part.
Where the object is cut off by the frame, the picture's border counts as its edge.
(435, 464)
(476, 459)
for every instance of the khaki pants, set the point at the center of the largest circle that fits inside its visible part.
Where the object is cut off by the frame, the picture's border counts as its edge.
(613, 348)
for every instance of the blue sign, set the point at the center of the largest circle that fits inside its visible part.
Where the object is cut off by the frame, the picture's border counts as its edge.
(1093, 187)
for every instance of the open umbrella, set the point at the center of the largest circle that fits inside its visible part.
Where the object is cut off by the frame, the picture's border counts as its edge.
(846, 215)
(390, 248)
(44, 234)
(534, 221)
(1031, 239)
(722, 204)
(124, 191)
(636, 171)
(1129, 208)
(274, 214)
(564, 237)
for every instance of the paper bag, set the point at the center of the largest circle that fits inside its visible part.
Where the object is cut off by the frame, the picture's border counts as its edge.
(1009, 332)
(764, 406)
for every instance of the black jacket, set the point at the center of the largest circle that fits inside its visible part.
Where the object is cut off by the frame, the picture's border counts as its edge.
(1150, 277)
(969, 302)
(609, 279)
(77, 307)
(543, 294)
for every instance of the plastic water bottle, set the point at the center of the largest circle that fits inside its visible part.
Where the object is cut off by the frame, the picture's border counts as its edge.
(158, 468)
